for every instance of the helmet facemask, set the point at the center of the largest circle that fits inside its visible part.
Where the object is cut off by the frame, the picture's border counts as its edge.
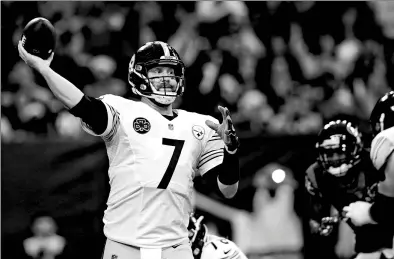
(339, 147)
(336, 163)
(162, 89)
(165, 89)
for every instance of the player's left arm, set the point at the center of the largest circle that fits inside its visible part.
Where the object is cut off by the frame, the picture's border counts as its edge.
(227, 173)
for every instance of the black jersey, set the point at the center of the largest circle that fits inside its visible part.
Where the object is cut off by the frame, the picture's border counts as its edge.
(359, 184)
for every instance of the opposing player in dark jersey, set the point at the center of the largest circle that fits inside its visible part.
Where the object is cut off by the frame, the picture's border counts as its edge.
(154, 153)
(342, 174)
(208, 246)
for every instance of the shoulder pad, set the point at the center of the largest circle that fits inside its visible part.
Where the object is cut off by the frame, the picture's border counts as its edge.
(114, 100)
(382, 147)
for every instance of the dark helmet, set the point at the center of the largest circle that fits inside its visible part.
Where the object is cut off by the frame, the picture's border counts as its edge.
(382, 116)
(150, 55)
(339, 147)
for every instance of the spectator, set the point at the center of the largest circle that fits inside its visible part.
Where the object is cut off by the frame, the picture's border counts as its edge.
(45, 243)
(271, 47)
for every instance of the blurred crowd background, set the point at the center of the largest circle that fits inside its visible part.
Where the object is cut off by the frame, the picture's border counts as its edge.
(282, 68)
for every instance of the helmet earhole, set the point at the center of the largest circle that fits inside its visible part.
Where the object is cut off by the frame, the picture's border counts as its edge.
(143, 87)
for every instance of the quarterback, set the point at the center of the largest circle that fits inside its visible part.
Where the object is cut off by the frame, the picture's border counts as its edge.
(154, 152)
(208, 246)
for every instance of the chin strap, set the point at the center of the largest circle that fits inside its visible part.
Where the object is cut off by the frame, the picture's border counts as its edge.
(164, 100)
(158, 99)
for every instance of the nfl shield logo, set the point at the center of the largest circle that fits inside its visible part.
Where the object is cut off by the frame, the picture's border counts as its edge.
(171, 126)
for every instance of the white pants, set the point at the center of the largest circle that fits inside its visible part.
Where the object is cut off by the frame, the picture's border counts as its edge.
(115, 250)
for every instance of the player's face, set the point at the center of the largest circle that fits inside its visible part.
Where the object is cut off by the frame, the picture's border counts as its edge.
(337, 161)
(163, 78)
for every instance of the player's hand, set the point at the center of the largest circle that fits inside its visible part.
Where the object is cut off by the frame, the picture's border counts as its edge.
(34, 61)
(358, 213)
(314, 226)
(226, 130)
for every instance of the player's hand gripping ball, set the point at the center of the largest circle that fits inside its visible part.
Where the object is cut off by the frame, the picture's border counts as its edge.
(39, 38)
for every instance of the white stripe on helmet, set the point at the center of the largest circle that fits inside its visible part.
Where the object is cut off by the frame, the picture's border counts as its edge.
(165, 49)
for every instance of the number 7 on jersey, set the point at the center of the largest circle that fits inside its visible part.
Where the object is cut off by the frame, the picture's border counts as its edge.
(178, 144)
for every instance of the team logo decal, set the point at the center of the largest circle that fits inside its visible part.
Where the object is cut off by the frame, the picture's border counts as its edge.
(141, 125)
(198, 132)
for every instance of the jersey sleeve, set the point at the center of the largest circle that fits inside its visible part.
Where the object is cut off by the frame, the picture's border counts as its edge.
(381, 149)
(113, 119)
(212, 153)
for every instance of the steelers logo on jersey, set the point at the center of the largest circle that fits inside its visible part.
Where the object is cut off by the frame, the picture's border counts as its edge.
(198, 132)
(141, 125)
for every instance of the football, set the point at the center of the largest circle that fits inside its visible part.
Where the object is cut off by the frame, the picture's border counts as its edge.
(39, 37)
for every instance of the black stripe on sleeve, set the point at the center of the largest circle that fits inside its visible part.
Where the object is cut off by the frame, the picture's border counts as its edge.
(93, 112)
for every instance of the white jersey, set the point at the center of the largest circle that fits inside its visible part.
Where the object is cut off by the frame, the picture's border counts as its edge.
(221, 248)
(382, 148)
(152, 163)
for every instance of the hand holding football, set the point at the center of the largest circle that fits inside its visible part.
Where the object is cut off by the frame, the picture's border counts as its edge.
(39, 38)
